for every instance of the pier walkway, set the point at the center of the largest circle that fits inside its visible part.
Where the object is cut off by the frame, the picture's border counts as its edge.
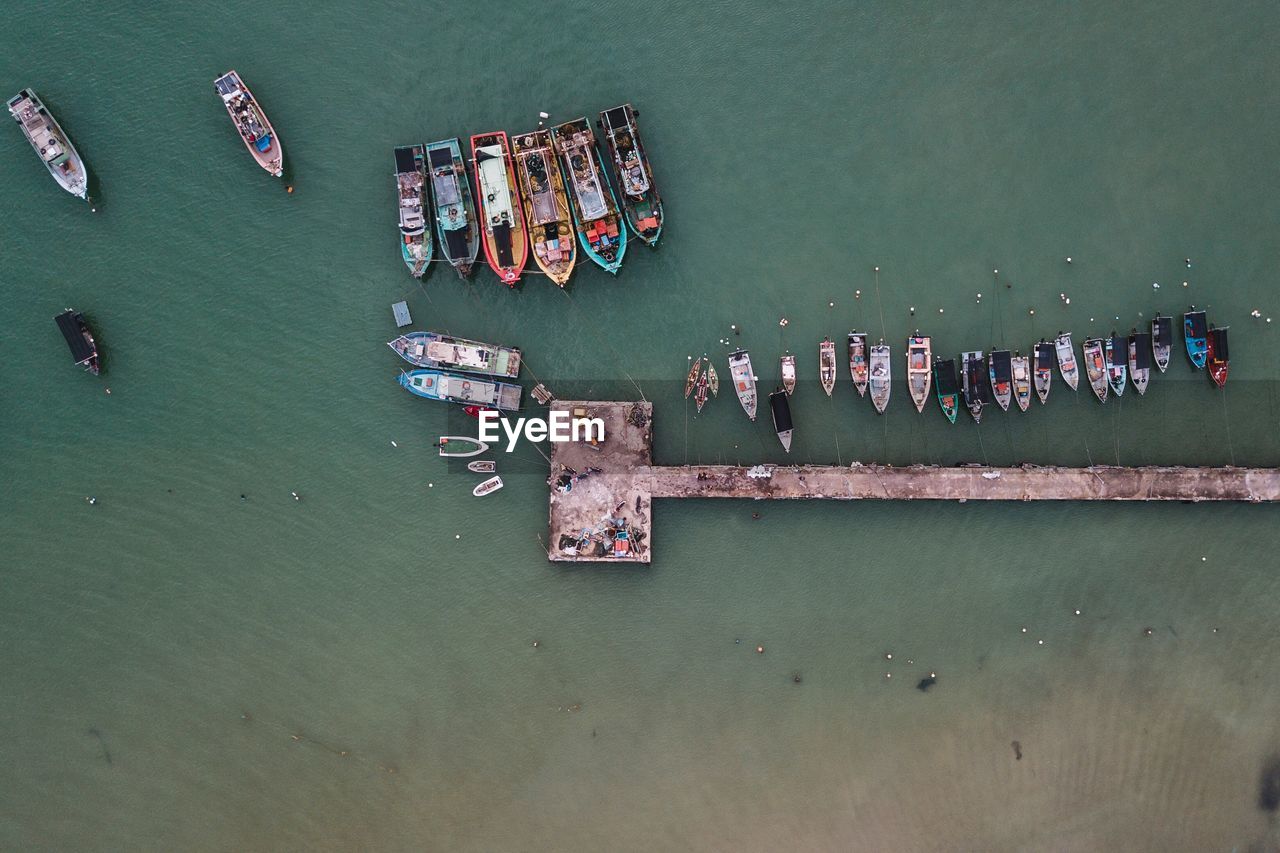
(598, 510)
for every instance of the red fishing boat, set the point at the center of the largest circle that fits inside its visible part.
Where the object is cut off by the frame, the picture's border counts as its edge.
(506, 244)
(1217, 356)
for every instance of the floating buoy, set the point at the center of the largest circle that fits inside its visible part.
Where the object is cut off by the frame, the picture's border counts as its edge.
(393, 444)
(289, 189)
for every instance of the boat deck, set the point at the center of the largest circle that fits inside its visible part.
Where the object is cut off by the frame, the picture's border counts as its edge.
(629, 482)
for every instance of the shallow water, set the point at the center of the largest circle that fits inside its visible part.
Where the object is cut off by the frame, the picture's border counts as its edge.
(341, 671)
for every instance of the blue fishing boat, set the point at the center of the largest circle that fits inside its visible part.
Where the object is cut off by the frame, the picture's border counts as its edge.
(433, 350)
(411, 187)
(463, 390)
(1116, 350)
(1195, 330)
(455, 211)
(601, 231)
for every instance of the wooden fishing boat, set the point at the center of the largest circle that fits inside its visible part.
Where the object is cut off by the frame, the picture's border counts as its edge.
(1116, 353)
(414, 194)
(879, 375)
(948, 390)
(1065, 351)
(489, 486)
(1021, 381)
(482, 466)
(462, 389)
(744, 381)
(251, 121)
(1162, 341)
(595, 208)
(84, 350)
(640, 200)
(975, 385)
(546, 204)
(50, 142)
(1095, 367)
(456, 222)
(827, 365)
(1001, 369)
(502, 231)
(1140, 350)
(435, 350)
(704, 386)
(1196, 334)
(461, 446)
(858, 361)
(1043, 371)
(919, 372)
(788, 365)
(713, 379)
(695, 367)
(1217, 358)
(781, 417)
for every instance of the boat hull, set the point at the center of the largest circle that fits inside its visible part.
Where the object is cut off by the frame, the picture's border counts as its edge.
(456, 222)
(1196, 338)
(788, 365)
(641, 204)
(603, 235)
(880, 382)
(744, 381)
(460, 446)
(919, 370)
(827, 365)
(546, 205)
(1095, 368)
(414, 196)
(435, 351)
(858, 362)
(1022, 382)
(462, 389)
(251, 122)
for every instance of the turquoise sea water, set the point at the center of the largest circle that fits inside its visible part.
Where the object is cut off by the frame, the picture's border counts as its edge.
(357, 669)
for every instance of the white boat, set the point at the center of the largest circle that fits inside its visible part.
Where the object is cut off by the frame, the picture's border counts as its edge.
(880, 373)
(919, 375)
(858, 361)
(482, 466)
(1022, 381)
(744, 381)
(788, 363)
(461, 446)
(490, 485)
(1066, 360)
(827, 365)
(1095, 364)
(50, 142)
(1043, 369)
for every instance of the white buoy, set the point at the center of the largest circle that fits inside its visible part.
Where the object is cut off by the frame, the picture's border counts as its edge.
(457, 536)
(393, 444)
(1068, 259)
(543, 115)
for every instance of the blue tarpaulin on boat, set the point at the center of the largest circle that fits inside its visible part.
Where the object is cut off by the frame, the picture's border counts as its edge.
(264, 143)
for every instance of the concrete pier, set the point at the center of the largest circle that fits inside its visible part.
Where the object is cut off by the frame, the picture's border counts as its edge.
(586, 519)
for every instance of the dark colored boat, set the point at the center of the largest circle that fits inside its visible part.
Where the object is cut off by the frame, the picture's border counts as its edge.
(640, 200)
(975, 383)
(84, 350)
(781, 417)
(948, 389)
(1042, 371)
(1002, 377)
(1117, 354)
(1195, 331)
(1140, 351)
(1217, 355)
(1162, 341)
(455, 211)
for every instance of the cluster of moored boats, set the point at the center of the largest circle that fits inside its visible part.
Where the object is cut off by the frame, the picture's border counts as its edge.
(1001, 376)
(458, 370)
(533, 194)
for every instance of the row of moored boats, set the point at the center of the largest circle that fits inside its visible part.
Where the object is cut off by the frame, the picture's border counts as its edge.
(1003, 377)
(533, 194)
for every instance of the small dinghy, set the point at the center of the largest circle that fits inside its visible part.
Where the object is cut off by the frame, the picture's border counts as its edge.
(713, 379)
(1021, 381)
(919, 376)
(744, 381)
(879, 381)
(1196, 335)
(788, 364)
(1217, 355)
(781, 417)
(1095, 366)
(827, 365)
(1001, 368)
(704, 386)
(1162, 341)
(482, 466)
(858, 361)
(1043, 374)
(974, 383)
(944, 380)
(1117, 356)
(1140, 359)
(692, 378)
(461, 446)
(1066, 353)
(487, 487)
